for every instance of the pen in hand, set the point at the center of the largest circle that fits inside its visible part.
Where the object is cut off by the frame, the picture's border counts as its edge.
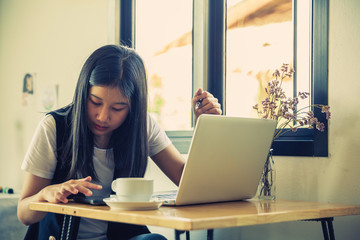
(198, 103)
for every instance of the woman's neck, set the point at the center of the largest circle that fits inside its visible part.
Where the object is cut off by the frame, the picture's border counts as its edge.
(101, 141)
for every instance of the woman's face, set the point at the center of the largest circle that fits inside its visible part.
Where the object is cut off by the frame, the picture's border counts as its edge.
(107, 109)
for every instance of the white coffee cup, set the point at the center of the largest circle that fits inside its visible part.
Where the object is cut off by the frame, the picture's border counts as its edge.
(133, 189)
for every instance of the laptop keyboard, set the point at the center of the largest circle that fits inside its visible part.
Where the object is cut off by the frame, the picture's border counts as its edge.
(168, 197)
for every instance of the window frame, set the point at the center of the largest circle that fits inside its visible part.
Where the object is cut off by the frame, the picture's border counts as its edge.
(311, 142)
(304, 142)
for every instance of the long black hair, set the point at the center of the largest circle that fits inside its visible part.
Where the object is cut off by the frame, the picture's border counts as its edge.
(113, 66)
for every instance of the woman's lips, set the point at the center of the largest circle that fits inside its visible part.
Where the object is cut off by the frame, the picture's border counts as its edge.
(100, 128)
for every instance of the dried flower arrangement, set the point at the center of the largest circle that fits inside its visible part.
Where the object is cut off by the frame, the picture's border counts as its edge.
(278, 107)
(284, 110)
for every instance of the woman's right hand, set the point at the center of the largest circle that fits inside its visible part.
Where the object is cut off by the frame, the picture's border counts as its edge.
(59, 192)
(37, 189)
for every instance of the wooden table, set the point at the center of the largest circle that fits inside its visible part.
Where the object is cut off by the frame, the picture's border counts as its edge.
(210, 216)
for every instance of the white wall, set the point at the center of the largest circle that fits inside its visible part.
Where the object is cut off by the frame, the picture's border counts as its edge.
(53, 38)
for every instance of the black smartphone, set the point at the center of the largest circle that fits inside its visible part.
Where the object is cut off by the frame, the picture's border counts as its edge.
(93, 200)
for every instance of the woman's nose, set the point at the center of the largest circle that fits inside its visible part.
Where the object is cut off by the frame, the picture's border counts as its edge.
(103, 115)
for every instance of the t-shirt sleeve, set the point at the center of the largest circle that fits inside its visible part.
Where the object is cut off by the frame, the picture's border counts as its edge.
(157, 138)
(40, 158)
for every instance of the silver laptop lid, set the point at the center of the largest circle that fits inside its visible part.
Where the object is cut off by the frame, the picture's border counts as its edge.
(225, 160)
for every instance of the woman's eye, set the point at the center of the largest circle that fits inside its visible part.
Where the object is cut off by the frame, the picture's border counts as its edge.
(118, 109)
(95, 103)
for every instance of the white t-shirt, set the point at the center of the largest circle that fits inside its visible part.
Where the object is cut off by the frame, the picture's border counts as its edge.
(40, 160)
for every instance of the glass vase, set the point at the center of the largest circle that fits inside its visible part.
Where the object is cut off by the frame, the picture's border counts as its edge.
(267, 185)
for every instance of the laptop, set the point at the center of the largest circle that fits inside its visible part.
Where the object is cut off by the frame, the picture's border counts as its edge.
(225, 160)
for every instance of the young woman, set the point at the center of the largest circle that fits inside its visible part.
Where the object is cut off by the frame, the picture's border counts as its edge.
(105, 133)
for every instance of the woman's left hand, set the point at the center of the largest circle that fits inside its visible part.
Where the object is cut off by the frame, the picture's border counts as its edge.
(208, 105)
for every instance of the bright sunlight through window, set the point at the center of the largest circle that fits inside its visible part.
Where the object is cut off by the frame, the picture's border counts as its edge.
(164, 40)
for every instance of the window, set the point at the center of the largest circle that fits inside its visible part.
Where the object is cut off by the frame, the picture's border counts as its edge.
(163, 37)
(259, 39)
(214, 58)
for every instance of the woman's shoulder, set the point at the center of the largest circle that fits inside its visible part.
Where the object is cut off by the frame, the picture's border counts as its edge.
(157, 137)
(152, 123)
(61, 113)
(60, 117)
(47, 126)
(48, 121)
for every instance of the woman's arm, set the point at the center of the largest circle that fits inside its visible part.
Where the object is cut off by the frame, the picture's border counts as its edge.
(171, 162)
(31, 193)
(37, 189)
